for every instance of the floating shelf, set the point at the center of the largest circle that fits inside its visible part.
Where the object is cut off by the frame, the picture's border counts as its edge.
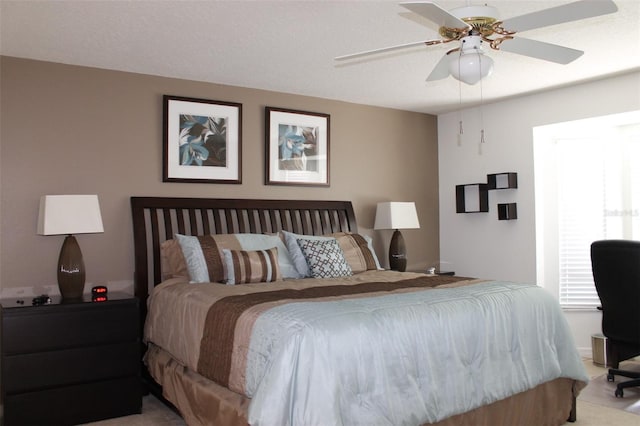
(505, 180)
(472, 198)
(507, 211)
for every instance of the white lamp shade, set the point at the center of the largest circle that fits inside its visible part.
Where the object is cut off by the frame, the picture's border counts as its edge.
(396, 215)
(69, 214)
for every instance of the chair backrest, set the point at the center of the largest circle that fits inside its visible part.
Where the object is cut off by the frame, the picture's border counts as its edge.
(616, 273)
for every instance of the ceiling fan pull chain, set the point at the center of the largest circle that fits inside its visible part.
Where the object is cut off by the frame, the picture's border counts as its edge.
(481, 107)
(460, 128)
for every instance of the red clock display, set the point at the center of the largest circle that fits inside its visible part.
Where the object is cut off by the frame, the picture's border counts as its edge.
(99, 293)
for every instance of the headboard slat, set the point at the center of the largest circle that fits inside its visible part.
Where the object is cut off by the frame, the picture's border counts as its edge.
(216, 222)
(180, 221)
(204, 213)
(263, 221)
(155, 240)
(274, 220)
(229, 222)
(193, 223)
(254, 222)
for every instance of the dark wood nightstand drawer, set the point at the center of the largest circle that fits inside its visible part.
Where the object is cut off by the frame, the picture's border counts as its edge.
(70, 361)
(75, 404)
(47, 328)
(65, 367)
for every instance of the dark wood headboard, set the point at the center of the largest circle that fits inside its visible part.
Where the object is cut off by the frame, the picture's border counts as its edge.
(157, 219)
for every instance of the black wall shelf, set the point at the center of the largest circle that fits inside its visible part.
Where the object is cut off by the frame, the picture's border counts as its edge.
(507, 211)
(505, 180)
(472, 198)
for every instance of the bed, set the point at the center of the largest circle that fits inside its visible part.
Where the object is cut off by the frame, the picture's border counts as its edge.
(359, 345)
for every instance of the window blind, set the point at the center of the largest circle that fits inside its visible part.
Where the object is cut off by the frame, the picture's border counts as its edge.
(595, 201)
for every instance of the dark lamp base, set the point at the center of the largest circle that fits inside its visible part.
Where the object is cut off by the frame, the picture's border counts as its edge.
(397, 253)
(71, 273)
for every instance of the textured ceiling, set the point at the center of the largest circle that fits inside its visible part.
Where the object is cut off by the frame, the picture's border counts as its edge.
(289, 46)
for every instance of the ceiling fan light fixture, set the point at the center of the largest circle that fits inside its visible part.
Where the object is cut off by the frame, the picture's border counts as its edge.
(471, 65)
(470, 68)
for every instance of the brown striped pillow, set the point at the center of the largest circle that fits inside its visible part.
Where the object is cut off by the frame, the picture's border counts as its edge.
(257, 266)
(356, 251)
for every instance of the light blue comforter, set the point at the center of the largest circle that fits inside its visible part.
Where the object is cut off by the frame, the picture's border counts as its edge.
(405, 359)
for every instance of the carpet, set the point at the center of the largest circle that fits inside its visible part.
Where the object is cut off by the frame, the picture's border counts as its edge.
(599, 391)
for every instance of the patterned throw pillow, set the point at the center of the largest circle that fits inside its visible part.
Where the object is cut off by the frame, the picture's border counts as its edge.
(297, 257)
(356, 251)
(258, 266)
(325, 258)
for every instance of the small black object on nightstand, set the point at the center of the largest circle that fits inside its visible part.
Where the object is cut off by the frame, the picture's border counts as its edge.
(41, 300)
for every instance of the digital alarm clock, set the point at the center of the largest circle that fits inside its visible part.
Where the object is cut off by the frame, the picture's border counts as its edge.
(99, 293)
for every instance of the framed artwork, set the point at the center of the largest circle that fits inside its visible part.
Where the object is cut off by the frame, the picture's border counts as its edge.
(202, 141)
(297, 147)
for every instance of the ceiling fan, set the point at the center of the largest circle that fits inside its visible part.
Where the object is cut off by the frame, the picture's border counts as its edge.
(473, 26)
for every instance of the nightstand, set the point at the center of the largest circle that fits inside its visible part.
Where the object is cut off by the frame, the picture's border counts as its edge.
(70, 362)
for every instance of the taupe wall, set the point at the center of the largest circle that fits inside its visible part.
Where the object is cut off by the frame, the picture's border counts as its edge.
(75, 130)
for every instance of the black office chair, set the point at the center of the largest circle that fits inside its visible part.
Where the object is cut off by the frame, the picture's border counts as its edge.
(616, 272)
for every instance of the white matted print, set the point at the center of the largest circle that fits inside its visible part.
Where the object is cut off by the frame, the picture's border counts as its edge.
(202, 141)
(297, 147)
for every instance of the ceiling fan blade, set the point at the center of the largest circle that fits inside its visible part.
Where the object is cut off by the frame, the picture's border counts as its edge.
(385, 49)
(441, 70)
(435, 13)
(560, 14)
(541, 50)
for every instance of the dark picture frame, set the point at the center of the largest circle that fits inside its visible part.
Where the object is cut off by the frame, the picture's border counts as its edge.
(296, 147)
(202, 140)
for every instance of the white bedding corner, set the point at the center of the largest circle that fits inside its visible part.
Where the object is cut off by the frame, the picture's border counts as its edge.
(413, 358)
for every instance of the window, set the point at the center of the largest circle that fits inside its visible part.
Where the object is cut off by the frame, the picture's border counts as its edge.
(586, 173)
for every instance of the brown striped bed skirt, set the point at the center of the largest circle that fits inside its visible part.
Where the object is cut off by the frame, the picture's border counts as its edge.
(202, 402)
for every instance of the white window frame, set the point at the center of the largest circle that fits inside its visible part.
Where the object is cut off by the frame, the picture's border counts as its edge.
(619, 127)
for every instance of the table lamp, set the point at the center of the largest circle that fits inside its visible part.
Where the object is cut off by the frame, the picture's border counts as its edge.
(397, 215)
(67, 215)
